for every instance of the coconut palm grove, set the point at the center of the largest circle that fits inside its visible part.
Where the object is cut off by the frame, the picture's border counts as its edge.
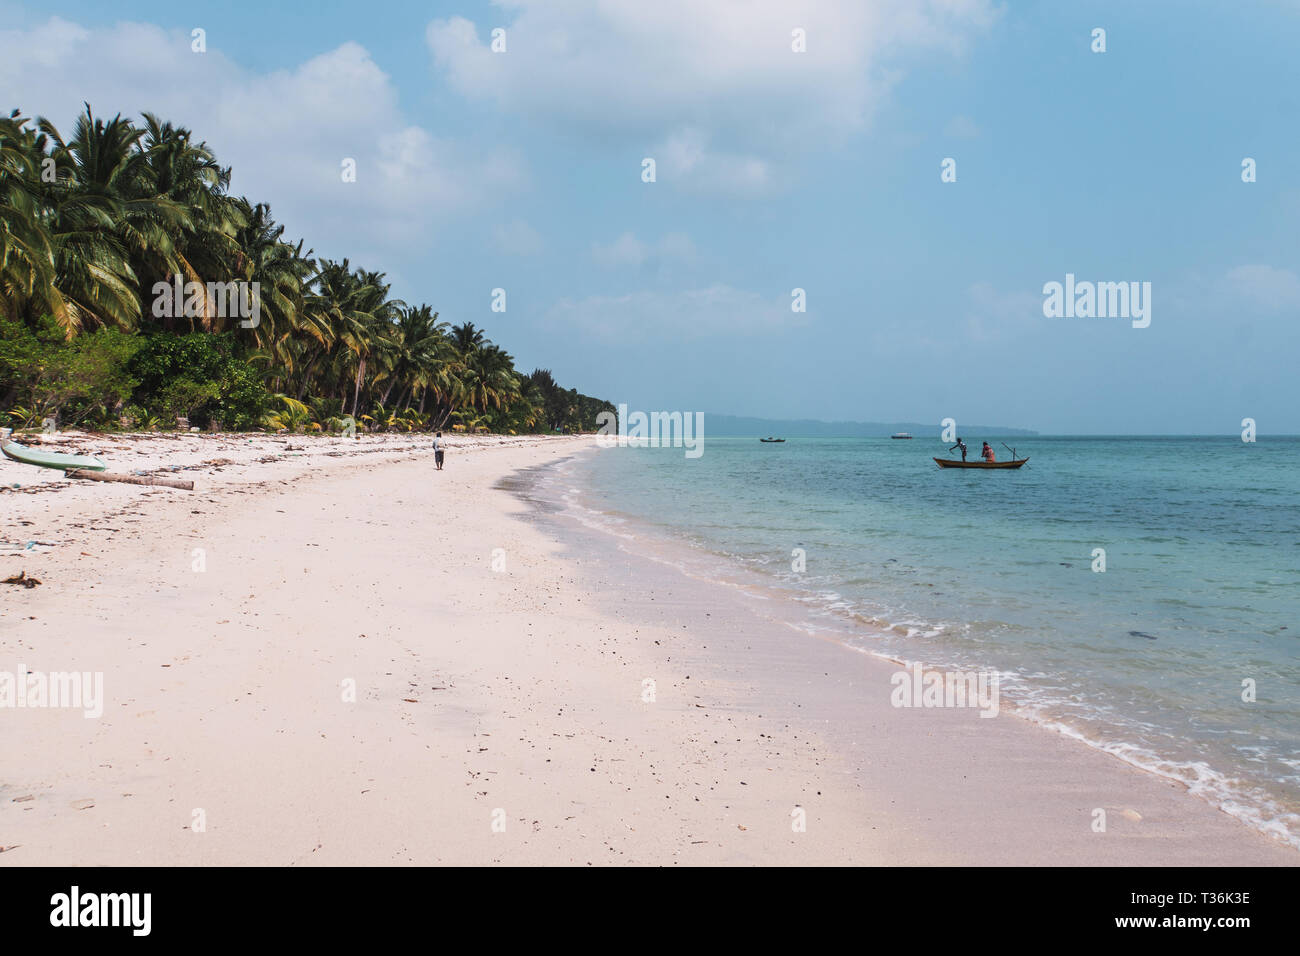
(95, 231)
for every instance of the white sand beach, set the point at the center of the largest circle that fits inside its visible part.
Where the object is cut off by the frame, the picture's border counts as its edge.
(501, 711)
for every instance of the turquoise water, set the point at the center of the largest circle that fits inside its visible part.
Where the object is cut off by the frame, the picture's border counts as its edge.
(995, 570)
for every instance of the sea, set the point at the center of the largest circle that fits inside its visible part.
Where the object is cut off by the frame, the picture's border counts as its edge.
(1137, 593)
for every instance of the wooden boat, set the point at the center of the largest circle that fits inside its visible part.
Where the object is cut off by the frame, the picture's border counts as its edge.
(772, 440)
(951, 463)
(49, 459)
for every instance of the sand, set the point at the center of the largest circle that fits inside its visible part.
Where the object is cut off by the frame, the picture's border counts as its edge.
(337, 655)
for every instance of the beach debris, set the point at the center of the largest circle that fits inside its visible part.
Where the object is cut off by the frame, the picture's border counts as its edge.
(31, 545)
(133, 479)
(82, 804)
(22, 580)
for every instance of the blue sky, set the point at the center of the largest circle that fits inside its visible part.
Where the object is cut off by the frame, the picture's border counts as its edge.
(776, 170)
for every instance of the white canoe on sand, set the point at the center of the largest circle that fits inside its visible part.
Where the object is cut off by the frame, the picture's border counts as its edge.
(49, 459)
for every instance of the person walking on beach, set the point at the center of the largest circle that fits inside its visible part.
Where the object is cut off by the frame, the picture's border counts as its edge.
(437, 450)
(987, 453)
(962, 445)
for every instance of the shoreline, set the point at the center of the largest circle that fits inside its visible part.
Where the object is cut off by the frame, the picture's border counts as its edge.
(782, 608)
(724, 555)
(513, 697)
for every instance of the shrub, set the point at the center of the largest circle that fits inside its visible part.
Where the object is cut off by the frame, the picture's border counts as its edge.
(84, 379)
(200, 376)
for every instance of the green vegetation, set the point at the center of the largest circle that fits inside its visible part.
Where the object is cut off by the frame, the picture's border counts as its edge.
(90, 225)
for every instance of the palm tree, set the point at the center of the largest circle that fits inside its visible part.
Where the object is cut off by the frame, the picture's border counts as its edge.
(466, 337)
(420, 351)
(281, 271)
(353, 319)
(90, 224)
(110, 230)
(28, 276)
(188, 174)
(381, 317)
(489, 378)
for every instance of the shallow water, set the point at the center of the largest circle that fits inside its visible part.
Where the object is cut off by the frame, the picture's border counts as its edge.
(995, 570)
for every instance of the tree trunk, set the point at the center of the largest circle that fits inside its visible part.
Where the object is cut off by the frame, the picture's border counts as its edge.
(132, 479)
(356, 393)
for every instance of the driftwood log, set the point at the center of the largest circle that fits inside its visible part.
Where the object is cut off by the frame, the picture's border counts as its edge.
(131, 479)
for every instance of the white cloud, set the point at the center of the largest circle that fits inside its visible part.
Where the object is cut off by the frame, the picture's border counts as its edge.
(676, 245)
(715, 85)
(48, 45)
(1264, 286)
(285, 132)
(962, 127)
(684, 158)
(517, 238)
(643, 316)
(1232, 297)
(628, 250)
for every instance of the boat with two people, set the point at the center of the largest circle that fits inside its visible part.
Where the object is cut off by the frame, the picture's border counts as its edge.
(989, 460)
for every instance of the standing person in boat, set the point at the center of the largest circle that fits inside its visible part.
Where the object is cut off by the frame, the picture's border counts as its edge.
(437, 450)
(962, 445)
(987, 453)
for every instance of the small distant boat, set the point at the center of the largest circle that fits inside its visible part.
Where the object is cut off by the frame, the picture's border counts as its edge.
(772, 440)
(957, 463)
(49, 459)
(900, 435)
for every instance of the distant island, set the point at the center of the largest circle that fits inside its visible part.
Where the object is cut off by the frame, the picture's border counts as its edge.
(740, 426)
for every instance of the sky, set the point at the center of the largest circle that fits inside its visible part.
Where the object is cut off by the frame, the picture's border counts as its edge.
(775, 170)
